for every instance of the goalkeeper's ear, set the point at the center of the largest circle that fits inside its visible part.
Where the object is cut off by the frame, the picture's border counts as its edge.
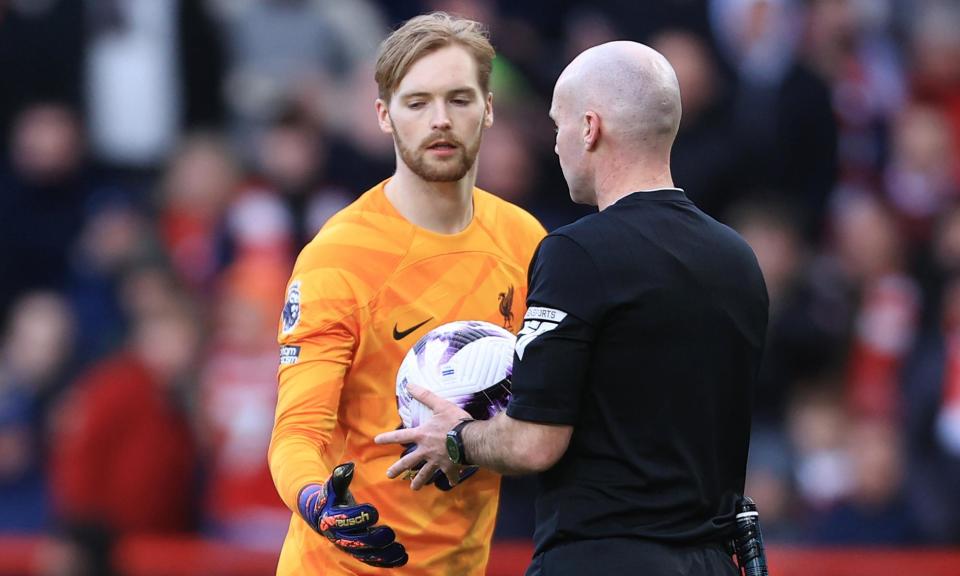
(383, 116)
(488, 111)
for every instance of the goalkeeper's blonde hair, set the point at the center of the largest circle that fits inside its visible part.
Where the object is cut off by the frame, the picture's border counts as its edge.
(424, 34)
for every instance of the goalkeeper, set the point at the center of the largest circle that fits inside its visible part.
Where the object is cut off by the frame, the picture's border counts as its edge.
(422, 248)
(634, 370)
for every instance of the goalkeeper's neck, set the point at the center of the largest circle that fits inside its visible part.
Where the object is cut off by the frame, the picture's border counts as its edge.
(441, 207)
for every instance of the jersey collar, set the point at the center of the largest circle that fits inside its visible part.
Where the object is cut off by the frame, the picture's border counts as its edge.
(660, 194)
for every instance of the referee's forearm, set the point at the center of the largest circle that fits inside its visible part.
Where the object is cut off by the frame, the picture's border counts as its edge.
(494, 445)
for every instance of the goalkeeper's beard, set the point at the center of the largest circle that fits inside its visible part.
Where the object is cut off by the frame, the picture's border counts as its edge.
(451, 170)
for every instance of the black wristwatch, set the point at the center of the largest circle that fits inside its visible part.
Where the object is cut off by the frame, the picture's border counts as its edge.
(455, 449)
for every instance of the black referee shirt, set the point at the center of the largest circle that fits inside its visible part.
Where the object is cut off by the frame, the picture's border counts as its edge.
(644, 331)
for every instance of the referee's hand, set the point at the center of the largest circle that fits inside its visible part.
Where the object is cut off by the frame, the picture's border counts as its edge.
(430, 438)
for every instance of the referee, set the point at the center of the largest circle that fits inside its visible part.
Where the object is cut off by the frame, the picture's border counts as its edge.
(635, 367)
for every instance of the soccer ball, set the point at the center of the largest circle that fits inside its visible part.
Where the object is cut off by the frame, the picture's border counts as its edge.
(468, 363)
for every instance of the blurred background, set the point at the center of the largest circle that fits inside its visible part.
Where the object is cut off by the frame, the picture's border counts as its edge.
(162, 163)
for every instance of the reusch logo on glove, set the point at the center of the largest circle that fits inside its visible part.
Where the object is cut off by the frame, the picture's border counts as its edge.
(347, 522)
(331, 510)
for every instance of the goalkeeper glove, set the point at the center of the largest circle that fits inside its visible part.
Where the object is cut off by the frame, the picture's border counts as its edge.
(331, 510)
(439, 479)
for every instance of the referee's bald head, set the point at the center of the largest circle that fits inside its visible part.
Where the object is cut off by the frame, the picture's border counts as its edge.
(631, 87)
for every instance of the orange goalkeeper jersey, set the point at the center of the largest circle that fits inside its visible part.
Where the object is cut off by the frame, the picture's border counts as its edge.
(362, 293)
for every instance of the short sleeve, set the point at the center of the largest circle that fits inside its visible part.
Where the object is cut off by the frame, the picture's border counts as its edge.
(553, 349)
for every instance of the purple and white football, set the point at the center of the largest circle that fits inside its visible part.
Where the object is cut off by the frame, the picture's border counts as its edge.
(467, 362)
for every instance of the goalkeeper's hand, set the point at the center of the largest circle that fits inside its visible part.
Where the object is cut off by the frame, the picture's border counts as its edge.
(331, 510)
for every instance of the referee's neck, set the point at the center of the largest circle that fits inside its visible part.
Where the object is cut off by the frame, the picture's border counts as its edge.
(616, 186)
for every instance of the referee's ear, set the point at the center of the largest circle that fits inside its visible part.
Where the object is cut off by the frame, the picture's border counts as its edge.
(591, 130)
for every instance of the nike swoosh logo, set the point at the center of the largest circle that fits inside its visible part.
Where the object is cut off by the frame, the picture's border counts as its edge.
(401, 334)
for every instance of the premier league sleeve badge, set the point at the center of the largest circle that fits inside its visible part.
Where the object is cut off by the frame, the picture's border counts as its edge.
(291, 308)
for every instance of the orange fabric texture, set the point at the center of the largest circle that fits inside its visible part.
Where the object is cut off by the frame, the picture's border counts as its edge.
(368, 278)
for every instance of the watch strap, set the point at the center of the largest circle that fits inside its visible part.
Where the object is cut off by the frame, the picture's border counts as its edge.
(456, 434)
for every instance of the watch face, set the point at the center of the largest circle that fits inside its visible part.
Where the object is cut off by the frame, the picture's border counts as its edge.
(453, 451)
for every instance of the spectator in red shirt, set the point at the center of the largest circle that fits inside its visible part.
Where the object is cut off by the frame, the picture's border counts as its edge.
(123, 455)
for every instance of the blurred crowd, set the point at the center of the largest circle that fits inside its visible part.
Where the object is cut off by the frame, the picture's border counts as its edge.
(164, 161)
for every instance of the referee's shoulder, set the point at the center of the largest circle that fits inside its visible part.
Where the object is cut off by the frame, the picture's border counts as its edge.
(584, 232)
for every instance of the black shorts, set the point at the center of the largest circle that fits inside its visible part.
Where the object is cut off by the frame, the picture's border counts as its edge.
(631, 556)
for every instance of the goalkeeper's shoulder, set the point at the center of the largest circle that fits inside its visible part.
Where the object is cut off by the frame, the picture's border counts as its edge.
(367, 223)
(510, 222)
(357, 241)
